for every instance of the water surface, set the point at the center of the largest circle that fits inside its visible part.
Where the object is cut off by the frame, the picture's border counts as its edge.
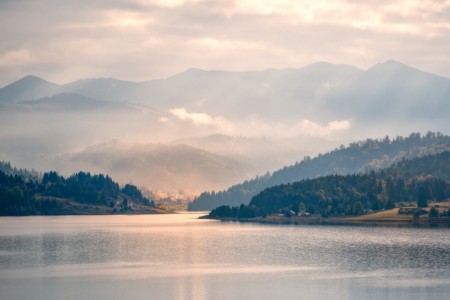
(182, 257)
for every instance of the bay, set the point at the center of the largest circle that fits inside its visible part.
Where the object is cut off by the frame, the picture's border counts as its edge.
(182, 257)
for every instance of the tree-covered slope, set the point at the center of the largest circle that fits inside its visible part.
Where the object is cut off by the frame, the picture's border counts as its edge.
(357, 157)
(417, 180)
(54, 194)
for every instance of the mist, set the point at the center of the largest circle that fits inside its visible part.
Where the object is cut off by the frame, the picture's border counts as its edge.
(205, 130)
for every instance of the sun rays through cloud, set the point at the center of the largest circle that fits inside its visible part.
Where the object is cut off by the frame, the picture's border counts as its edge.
(142, 40)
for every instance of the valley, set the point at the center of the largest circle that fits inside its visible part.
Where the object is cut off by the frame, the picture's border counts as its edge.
(204, 130)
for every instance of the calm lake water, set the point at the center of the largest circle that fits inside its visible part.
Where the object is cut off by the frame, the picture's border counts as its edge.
(182, 257)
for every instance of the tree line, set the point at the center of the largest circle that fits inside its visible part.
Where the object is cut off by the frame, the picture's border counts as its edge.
(407, 181)
(370, 154)
(27, 196)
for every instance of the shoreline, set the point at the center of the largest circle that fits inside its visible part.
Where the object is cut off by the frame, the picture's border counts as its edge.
(367, 220)
(92, 210)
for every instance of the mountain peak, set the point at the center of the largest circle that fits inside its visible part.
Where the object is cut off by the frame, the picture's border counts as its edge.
(391, 64)
(395, 68)
(323, 66)
(28, 88)
(30, 80)
(32, 77)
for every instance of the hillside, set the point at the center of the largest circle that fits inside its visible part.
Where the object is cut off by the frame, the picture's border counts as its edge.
(418, 180)
(165, 168)
(357, 157)
(62, 102)
(264, 153)
(80, 193)
(28, 88)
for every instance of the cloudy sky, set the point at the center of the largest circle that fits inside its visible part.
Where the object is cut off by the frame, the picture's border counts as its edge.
(139, 40)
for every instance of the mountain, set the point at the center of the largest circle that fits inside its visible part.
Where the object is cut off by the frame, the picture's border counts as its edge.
(267, 119)
(28, 88)
(417, 180)
(387, 95)
(264, 153)
(276, 94)
(106, 89)
(357, 157)
(394, 90)
(319, 92)
(62, 102)
(33, 131)
(176, 169)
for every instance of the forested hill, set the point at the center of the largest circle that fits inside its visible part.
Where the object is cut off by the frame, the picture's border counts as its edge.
(418, 180)
(81, 193)
(357, 157)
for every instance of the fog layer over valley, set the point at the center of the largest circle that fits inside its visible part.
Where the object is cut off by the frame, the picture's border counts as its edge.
(204, 130)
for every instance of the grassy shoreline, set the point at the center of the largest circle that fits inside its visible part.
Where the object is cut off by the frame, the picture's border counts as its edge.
(388, 218)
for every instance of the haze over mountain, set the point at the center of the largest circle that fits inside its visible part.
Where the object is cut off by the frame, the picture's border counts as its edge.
(320, 92)
(263, 153)
(358, 157)
(156, 166)
(258, 120)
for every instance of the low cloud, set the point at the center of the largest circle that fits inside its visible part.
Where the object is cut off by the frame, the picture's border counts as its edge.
(196, 118)
(315, 129)
(339, 125)
(258, 127)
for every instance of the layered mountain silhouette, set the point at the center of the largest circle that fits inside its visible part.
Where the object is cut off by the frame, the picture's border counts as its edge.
(262, 119)
(323, 90)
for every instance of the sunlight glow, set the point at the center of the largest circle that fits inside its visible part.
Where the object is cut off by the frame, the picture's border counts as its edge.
(163, 3)
(398, 16)
(125, 19)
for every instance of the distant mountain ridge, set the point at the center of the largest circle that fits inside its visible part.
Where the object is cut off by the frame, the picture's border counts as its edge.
(386, 89)
(338, 91)
(357, 157)
(267, 119)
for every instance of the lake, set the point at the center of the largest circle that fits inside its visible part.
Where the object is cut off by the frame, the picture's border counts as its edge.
(182, 257)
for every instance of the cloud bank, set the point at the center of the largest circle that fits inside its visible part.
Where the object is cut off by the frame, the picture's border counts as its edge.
(140, 40)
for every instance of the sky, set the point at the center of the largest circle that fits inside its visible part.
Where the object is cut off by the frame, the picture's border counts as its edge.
(139, 40)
